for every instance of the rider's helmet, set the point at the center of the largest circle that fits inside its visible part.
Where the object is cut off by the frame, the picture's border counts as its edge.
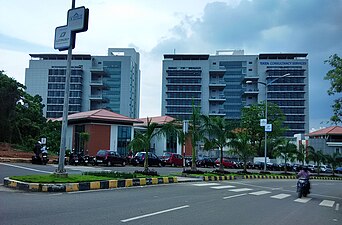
(305, 168)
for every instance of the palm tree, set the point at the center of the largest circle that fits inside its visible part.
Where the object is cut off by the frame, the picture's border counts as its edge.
(317, 157)
(333, 161)
(142, 140)
(84, 138)
(218, 133)
(301, 154)
(286, 150)
(195, 133)
(241, 146)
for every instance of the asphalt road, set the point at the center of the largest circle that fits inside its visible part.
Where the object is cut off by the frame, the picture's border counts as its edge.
(239, 202)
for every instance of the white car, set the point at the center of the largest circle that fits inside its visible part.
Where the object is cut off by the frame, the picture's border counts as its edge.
(325, 169)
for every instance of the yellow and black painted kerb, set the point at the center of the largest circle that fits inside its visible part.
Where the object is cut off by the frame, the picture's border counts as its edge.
(216, 178)
(267, 177)
(85, 186)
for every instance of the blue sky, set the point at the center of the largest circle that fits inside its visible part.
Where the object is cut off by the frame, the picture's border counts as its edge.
(157, 27)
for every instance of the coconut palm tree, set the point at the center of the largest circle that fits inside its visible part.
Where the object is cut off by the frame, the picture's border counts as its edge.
(301, 154)
(241, 146)
(195, 133)
(317, 157)
(333, 160)
(218, 134)
(286, 150)
(142, 140)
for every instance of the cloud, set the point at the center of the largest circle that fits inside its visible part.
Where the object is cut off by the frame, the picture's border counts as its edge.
(309, 26)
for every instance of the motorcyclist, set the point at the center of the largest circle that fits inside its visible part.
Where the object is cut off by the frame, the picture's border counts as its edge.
(37, 149)
(304, 174)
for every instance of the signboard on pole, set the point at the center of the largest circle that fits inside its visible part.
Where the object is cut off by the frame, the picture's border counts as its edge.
(268, 127)
(63, 38)
(263, 122)
(78, 19)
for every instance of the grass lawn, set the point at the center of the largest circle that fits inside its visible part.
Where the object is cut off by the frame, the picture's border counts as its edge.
(76, 178)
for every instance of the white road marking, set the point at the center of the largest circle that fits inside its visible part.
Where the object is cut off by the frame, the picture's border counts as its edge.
(260, 193)
(26, 168)
(155, 213)
(223, 187)
(327, 203)
(280, 196)
(337, 206)
(302, 200)
(205, 184)
(241, 189)
(233, 196)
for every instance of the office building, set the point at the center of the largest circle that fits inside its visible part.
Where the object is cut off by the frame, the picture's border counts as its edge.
(224, 83)
(97, 82)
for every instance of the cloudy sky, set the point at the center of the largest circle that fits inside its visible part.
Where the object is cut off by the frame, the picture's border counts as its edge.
(157, 27)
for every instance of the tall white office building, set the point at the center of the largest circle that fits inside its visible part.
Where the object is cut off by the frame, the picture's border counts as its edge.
(224, 83)
(111, 82)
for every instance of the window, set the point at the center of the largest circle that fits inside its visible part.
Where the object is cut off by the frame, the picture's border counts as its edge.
(250, 69)
(338, 151)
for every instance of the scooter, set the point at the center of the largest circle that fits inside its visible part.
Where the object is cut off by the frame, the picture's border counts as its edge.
(303, 187)
(36, 159)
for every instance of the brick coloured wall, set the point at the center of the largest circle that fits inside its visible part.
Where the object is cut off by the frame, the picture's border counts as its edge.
(99, 137)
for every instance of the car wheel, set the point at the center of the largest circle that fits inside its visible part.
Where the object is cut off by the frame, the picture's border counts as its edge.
(173, 165)
(109, 163)
(123, 163)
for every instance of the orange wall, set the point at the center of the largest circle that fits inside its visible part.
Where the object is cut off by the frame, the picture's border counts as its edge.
(99, 137)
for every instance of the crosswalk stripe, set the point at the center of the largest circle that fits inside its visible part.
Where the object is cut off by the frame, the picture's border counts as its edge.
(223, 187)
(260, 193)
(302, 200)
(280, 196)
(241, 189)
(205, 184)
(327, 203)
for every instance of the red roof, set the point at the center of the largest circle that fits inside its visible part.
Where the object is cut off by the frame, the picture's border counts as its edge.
(327, 131)
(157, 119)
(100, 114)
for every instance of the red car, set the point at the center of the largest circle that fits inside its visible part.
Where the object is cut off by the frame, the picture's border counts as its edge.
(226, 163)
(172, 159)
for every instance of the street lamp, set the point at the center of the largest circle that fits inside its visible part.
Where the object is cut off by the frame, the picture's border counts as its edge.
(266, 85)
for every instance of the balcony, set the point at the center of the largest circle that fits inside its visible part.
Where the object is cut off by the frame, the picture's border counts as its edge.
(220, 98)
(251, 91)
(96, 83)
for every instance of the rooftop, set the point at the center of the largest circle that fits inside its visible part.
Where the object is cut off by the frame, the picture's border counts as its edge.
(334, 130)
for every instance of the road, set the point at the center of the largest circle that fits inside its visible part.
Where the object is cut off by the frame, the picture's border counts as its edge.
(239, 202)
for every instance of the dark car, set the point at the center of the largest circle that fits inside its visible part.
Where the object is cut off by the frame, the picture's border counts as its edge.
(153, 159)
(172, 159)
(109, 158)
(338, 170)
(205, 162)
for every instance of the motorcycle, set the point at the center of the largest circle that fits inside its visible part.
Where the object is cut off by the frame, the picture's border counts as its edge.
(303, 187)
(36, 159)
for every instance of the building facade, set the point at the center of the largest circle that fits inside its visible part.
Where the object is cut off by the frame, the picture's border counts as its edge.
(327, 140)
(111, 82)
(224, 83)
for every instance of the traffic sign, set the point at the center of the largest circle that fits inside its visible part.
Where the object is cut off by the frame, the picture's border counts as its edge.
(63, 38)
(268, 128)
(78, 19)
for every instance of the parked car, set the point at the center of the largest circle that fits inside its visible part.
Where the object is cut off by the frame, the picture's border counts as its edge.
(338, 170)
(205, 162)
(226, 163)
(272, 166)
(172, 159)
(258, 165)
(312, 168)
(325, 169)
(109, 158)
(153, 159)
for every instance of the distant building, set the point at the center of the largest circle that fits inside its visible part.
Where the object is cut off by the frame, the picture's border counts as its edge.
(328, 140)
(107, 130)
(222, 84)
(111, 82)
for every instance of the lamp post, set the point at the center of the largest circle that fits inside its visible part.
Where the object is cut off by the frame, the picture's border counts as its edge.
(265, 130)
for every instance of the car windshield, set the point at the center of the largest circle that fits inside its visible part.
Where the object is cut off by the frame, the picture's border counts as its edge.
(167, 154)
(101, 152)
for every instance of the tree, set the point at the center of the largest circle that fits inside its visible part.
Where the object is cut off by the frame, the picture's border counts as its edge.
(301, 154)
(333, 160)
(195, 133)
(250, 120)
(317, 157)
(335, 77)
(286, 150)
(241, 146)
(52, 131)
(10, 94)
(217, 134)
(142, 140)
